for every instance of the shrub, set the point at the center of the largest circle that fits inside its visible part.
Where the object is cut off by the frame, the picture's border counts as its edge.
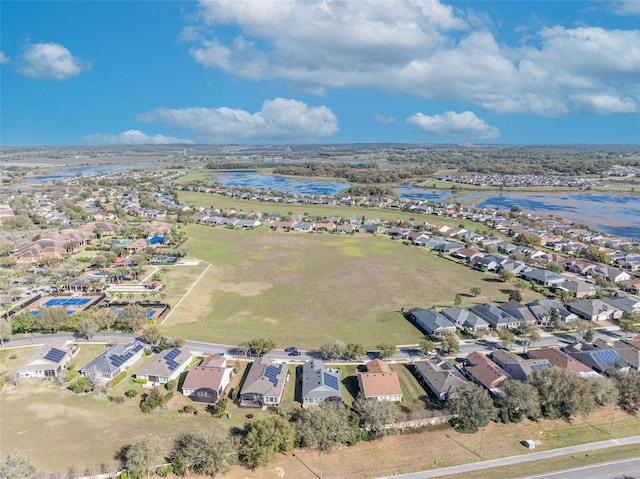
(71, 374)
(71, 366)
(139, 380)
(168, 396)
(171, 385)
(116, 399)
(81, 385)
(131, 393)
(117, 380)
(13, 356)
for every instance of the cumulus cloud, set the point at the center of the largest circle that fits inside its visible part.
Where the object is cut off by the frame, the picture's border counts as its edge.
(625, 7)
(50, 61)
(382, 118)
(4, 59)
(422, 48)
(463, 126)
(132, 137)
(279, 119)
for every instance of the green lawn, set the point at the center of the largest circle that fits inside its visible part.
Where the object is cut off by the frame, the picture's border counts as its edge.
(308, 288)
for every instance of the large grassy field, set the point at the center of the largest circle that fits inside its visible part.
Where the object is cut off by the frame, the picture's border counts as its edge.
(307, 288)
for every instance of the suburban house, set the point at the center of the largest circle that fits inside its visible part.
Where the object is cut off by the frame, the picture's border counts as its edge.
(562, 360)
(467, 254)
(518, 368)
(496, 317)
(264, 384)
(440, 376)
(207, 381)
(448, 247)
(432, 322)
(594, 310)
(601, 360)
(319, 384)
(624, 304)
(543, 277)
(47, 362)
(114, 360)
(519, 311)
(379, 382)
(165, 367)
(543, 311)
(485, 372)
(578, 288)
(612, 274)
(465, 319)
(626, 351)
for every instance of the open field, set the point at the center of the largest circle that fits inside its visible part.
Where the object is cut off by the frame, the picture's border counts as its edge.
(443, 447)
(307, 288)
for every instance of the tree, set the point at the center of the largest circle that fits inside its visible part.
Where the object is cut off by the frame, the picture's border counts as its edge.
(518, 400)
(17, 466)
(528, 239)
(374, 414)
(450, 343)
(506, 275)
(593, 253)
(51, 319)
(5, 332)
(562, 393)
(426, 346)
(140, 456)
(133, 317)
(88, 327)
(324, 426)
(630, 323)
(628, 390)
(471, 406)
(203, 452)
(584, 329)
(476, 291)
(515, 295)
(151, 400)
(333, 350)
(457, 301)
(386, 350)
(355, 350)
(506, 336)
(554, 267)
(151, 335)
(264, 439)
(603, 389)
(261, 346)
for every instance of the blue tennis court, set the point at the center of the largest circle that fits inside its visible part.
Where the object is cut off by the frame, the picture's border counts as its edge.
(54, 302)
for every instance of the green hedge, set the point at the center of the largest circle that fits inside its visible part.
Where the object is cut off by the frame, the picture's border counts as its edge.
(117, 380)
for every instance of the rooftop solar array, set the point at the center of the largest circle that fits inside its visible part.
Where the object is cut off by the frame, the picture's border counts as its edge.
(606, 356)
(331, 381)
(55, 355)
(272, 373)
(118, 360)
(170, 357)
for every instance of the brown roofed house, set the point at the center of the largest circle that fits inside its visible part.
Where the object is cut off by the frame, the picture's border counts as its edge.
(485, 372)
(562, 360)
(379, 382)
(208, 381)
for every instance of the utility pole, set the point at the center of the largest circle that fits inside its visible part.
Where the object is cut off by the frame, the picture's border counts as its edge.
(481, 440)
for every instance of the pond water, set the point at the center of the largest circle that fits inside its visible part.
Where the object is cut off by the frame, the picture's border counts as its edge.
(281, 184)
(59, 174)
(616, 214)
(414, 193)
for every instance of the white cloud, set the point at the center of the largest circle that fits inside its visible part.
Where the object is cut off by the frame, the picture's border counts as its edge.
(625, 7)
(4, 59)
(605, 104)
(50, 61)
(132, 137)
(382, 118)
(279, 119)
(463, 126)
(422, 48)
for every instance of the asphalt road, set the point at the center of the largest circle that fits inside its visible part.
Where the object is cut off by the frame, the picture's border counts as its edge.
(583, 473)
(627, 468)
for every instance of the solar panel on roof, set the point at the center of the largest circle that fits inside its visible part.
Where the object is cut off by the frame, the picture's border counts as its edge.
(271, 373)
(171, 364)
(331, 381)
(174, 353)
(55, 355)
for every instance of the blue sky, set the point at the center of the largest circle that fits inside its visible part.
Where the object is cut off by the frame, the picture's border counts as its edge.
(319, 71)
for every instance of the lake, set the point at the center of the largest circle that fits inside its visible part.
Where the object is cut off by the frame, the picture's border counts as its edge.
(615, 214)
(59, 174)
(284, 185)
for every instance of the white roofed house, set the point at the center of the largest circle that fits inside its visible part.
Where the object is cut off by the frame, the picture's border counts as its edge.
(47, 362)
(166, 366)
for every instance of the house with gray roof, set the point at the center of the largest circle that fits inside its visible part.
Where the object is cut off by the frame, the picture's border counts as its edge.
(543, 277)
(114, 360)
(601, 360)
(625, 304)
(517, 368)
(594, 310)
(518, 310)
(496, 317)
(465, 319)
(319, 384)
(440, 376)
(264, 384)
(626, 351)
(543, 311)
(562, 360)
(47, 362)
(166, 366)
(432, 322)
